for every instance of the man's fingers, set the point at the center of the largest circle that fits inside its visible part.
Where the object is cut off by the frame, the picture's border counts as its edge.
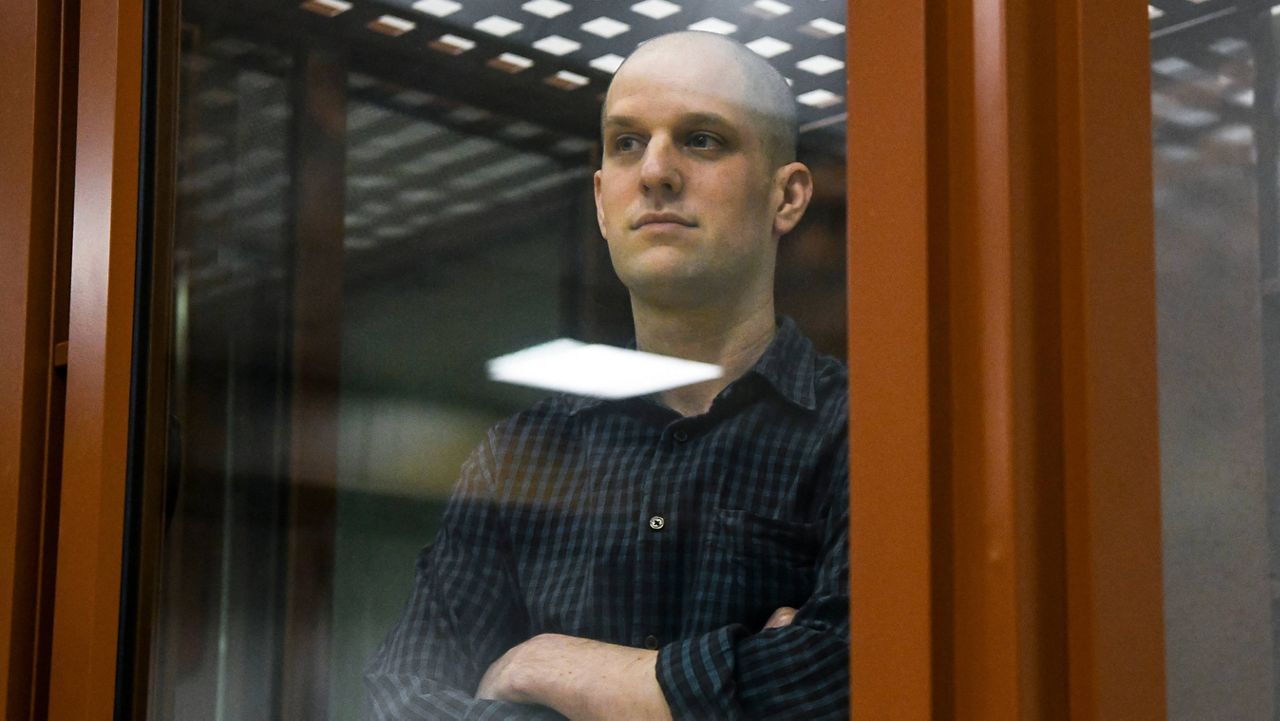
(781, 617)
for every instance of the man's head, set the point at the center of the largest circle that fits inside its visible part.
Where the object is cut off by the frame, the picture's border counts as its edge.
(770, 103)
(698, 178)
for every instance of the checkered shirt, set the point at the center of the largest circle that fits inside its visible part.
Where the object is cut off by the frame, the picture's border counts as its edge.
(622, 521)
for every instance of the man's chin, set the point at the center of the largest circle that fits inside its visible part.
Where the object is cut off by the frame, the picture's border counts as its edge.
(675, 288)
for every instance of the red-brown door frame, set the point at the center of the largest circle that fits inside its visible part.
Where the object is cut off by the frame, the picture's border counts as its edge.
(1005, 523)
(37, 103)
(86, 618)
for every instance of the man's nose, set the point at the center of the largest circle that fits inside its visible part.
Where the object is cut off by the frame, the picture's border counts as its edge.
(660, 170)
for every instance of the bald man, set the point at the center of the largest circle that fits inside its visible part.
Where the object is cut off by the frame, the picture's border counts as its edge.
(682, 555)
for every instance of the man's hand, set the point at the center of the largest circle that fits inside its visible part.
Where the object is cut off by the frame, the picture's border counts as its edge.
(781, 617)
(586, 680)
(583, 679)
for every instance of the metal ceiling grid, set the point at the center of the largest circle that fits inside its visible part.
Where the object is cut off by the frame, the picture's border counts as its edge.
(1202, 75)
(415, 161)
(405, 175)
(575, 46)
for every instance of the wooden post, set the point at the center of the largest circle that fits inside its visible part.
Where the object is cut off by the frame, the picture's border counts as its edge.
(38, 43)
(99, 357)
(1005, 519)
(889, 362)
(319, 176)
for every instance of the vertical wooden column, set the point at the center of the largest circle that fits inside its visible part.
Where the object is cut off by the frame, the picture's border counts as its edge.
(37, 120)
(1005, 520)
(1054, 596)
(889, 362)
(1111, 455)
(87, 603)
(319, 177)
(995, 237)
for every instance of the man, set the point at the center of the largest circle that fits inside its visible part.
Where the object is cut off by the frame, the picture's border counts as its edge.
(680, 556)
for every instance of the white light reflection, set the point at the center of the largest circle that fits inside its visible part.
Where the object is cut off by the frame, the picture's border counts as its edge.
(595, 370)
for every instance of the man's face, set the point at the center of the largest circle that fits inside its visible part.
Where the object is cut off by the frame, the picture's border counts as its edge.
(685, 196)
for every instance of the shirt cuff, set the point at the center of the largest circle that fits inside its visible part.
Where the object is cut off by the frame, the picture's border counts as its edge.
(697, 675)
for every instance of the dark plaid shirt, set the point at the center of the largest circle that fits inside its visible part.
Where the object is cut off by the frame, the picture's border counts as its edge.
(622, 521)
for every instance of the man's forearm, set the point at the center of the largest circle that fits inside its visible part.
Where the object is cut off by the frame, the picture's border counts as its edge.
(583, 679)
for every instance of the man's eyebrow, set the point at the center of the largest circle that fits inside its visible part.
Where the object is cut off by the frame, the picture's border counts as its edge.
(620, 121)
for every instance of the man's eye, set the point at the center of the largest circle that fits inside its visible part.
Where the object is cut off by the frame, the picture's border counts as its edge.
(626, 144)
(704, 141)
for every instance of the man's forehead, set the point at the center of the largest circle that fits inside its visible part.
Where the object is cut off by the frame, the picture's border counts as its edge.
(684, 84)
(705, 120)
(703, 107)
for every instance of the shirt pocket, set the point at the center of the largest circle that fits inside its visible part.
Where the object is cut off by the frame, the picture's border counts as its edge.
(771, 562)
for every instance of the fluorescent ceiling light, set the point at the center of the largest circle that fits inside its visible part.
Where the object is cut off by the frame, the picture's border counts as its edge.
(769, 8)
(391, 25)
(571, 145)
(547, 8)
(557, 45)
(1171, 65)
(656, 9)
(767, 47)
(599, 371)
(822, 28)
(451, 44)
(522, 130)
(820, 65)
(607, 63)
(510, 63)
(1229, 46)
(498, 25)
(818, 98)
(605, 27)
(566, 80)
(438, 8)
(714, 25)
(327, 8)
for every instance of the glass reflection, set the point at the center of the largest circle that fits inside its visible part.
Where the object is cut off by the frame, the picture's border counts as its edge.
(364, 218)
(1214, 74)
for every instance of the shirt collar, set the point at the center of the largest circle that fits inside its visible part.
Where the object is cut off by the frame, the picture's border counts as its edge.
(787, 365)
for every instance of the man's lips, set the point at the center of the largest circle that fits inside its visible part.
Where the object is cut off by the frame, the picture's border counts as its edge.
(662, 218)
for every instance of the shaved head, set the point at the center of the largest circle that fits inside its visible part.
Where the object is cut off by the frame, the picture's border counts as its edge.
(751, 83)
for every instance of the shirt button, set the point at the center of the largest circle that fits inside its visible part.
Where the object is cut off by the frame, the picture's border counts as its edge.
(657, 523)
(651, 642)
(680, 436)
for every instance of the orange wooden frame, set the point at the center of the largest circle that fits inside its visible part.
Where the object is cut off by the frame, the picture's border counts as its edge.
(1005, 525)
(889, 433)
(1115, 619)
(91, 526)
(34, 172)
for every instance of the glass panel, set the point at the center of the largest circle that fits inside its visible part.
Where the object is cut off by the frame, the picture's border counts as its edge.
(1214, 72)
(373, 201)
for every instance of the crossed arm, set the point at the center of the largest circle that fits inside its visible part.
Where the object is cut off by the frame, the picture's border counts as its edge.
(457, 652)
(586, 680)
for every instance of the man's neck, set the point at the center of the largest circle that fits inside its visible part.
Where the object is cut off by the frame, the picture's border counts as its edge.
(732, 339)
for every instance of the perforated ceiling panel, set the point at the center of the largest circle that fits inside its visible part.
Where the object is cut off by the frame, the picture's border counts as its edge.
(575, 46)
(1203, 73)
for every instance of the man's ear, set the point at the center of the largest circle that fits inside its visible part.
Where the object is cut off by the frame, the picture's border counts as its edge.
(599, 205)
(796, 185)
